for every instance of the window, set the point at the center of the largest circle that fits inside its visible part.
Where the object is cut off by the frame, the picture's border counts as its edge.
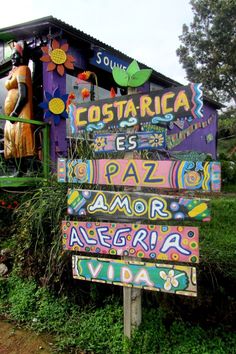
(72, 85)
(3, 94)
(155, 87)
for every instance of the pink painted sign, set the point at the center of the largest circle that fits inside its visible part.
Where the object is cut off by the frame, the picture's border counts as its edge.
(172, 243)
(147, 173)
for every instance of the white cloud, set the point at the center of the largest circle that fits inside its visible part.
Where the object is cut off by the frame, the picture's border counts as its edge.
(147, 30)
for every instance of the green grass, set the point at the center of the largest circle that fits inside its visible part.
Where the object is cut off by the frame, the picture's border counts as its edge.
(218, 237)
(171, 324)
(100, 330)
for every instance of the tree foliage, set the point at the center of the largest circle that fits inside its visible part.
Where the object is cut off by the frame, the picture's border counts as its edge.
(208, 50)
(227, 123)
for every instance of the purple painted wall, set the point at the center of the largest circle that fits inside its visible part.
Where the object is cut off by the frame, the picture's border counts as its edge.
(51, 81)
(197, 140)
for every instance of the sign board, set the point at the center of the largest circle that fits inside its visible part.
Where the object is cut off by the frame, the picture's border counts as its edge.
(104, 60)
(135, 206)
(172, 243)
(146, 173)
(173, 279)
(128, 142)
(163, 106)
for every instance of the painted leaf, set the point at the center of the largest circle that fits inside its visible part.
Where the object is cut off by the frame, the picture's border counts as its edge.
(120, 76)
(139, 78)
(133, 68)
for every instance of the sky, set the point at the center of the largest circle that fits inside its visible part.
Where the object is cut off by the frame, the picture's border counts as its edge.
(146, 30)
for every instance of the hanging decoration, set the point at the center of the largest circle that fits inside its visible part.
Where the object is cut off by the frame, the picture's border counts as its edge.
(112, 92)
(70, 99)
(85, 76)
(54, 106)
(57, 57)
(85, 93)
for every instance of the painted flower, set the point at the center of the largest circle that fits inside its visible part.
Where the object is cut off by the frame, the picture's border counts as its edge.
(99, 143)
(57, 57)
(156, 140)
(54, 106)
(85, 75)
(170, 279)
(85, 93)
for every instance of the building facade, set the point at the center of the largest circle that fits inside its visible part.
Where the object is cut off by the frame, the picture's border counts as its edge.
(85, 53)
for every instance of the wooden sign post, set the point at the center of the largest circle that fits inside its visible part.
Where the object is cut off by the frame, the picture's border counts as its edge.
(132, 297)
(133, 242)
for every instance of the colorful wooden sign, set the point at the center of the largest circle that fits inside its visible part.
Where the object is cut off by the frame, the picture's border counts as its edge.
(135, 205)
(147, 173)
(128, 142)
(172, 243)
(163, 106)
(173, 279)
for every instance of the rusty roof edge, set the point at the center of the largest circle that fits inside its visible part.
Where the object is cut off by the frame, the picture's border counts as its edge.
(50, 20)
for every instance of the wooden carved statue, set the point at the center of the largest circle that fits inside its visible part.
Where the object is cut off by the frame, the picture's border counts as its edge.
(18, 136)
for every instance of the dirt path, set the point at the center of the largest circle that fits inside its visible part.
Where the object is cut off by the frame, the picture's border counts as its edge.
(19, 341)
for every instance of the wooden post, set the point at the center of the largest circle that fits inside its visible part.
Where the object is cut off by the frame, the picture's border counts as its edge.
(46, 151)
(132, 300)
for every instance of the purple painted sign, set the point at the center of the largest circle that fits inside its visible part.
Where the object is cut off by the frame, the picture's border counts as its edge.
(128, 142)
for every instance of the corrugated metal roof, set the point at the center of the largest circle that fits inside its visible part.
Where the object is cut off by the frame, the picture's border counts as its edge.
(37, 26)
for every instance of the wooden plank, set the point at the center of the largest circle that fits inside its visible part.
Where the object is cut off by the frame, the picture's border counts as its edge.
(23, 120)
(147, 173)
(173, 279)
(20, 181)
(172, 243)
(129, 141)
(162, 106)
(135, 205)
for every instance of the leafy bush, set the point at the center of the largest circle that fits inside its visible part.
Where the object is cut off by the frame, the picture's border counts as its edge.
(37, 236)
(94, 330)
(22, 299)
(52, 312)
(179, 338)
(217, 238)
(228, 169)
(227, 122)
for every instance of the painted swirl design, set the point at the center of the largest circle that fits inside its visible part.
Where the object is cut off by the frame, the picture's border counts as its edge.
(192, 179)
(80, 171)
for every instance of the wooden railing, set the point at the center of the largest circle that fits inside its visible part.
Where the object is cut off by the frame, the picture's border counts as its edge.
(43, 174)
